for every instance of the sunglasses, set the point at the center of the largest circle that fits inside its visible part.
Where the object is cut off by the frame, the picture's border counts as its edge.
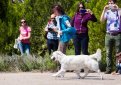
(52, 18)
(23, 22)
(80, 7)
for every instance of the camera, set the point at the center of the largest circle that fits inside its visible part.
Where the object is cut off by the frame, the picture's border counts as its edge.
(50, 29)
(82, 11)
(111, 6)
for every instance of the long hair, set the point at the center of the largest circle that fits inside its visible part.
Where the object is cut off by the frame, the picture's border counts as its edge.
(58, 8)
(78, 6)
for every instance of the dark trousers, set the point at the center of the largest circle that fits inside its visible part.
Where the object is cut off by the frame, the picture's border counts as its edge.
(118, 68)
(52, 45)
(81, 43)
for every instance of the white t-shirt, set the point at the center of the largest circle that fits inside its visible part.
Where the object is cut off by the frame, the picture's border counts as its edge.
(113, 20)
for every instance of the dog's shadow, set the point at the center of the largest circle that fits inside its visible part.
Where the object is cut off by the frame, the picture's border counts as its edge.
(97, 78)
(86, 78)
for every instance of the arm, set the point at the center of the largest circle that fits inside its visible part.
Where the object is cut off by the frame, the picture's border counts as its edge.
(50, 29)
(46, 28)
(119, 11)
(27, 37)
(68, 25)
(102, 18)
(72, 21)
(66, 30)
(92, 16)
(69, 28)
(20, 36)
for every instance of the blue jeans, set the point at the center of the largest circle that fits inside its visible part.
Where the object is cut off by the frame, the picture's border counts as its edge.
(24, 48)
(81, 43)
(118, 68)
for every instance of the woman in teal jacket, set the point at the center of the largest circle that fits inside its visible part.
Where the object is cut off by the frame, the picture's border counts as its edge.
(65, 31)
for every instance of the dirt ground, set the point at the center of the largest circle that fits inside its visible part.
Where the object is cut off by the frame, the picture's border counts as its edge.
(30, 78)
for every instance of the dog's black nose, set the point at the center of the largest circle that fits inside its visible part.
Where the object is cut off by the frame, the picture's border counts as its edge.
(53, 59)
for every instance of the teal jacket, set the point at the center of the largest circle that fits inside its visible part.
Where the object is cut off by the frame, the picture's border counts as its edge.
(67, 32)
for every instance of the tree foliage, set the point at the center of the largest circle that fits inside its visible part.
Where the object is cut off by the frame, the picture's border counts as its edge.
(37, 13)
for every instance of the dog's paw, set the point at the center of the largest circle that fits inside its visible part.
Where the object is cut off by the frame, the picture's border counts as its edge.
(54, 75)
(101, 78)
(78, 77)
(82, 77)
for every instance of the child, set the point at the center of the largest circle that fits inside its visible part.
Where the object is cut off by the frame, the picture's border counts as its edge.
(118, 65)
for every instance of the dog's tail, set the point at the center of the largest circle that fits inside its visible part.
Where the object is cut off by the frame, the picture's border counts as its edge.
(97, 56)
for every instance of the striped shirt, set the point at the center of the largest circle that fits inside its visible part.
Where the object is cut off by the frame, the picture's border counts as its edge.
(51, 34)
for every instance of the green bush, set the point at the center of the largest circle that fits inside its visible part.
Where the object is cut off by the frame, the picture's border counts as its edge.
(23, 63)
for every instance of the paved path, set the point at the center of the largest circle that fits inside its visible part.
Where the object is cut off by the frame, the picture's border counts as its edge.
(30, 78)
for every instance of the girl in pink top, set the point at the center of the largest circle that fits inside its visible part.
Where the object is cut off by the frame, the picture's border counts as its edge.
(25, 34)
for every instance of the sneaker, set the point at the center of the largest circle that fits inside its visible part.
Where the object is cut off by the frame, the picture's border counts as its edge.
(108, 72)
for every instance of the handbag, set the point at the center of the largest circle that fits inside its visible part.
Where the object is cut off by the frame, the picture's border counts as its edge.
(16, 44)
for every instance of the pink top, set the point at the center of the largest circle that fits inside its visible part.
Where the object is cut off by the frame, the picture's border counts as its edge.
(24, 33)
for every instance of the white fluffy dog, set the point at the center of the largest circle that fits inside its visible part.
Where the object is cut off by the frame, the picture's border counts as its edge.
(77, 62)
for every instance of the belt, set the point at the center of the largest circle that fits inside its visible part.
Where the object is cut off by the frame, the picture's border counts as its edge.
(78, 33)
(114, 34)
